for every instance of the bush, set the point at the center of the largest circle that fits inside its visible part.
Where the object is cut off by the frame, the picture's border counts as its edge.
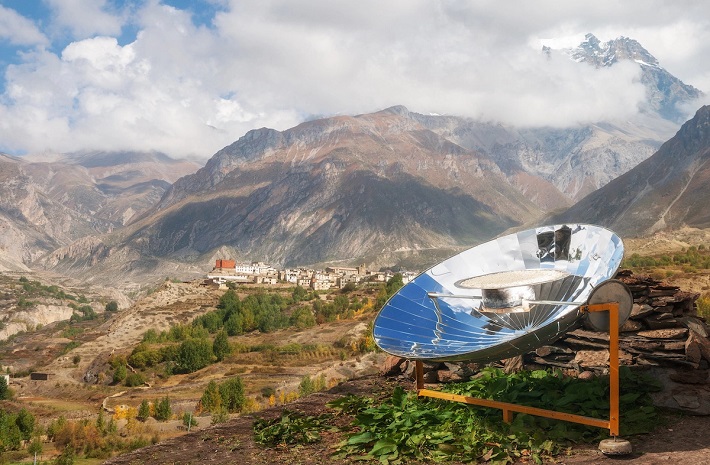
(112, 306)
(134, 379)
(119, 373)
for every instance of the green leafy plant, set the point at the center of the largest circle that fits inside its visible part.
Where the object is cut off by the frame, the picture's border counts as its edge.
(430, 429)
(291, 428)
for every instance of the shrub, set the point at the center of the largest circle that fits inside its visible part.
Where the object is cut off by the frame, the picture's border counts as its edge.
(134, 379)
(112, 306)
(119, 373)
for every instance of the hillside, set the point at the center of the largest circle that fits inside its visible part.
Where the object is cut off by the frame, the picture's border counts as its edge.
(669, 190)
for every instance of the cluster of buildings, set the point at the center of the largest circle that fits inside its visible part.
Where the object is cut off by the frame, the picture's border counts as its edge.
(333, 277)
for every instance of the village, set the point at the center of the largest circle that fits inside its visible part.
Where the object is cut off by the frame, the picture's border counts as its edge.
(332, 277)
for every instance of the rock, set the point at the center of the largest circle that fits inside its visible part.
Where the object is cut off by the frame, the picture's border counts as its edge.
(694, 324)
(701, 343)
(675, 333)
(587, 375)
(514, 364)
(631, 325)
(392, 366)
(448, 376)
(592, 358)
(640, 311)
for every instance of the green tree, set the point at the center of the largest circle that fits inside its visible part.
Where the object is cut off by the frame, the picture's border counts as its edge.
(163, 412)
(5, 392)
(306, 387)
(101, 422)
(303, 318)
(35, 447)
(232, 394)
(211, 399)
(111, 306)
(299, 293)
(394, 284)
(10, 434)
(143, 411)
(25, 421)
(193, 355)
(220, 346)
(189, 420)
(67, 456)
(119, 373)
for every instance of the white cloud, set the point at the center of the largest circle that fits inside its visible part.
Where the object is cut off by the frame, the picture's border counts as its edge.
(19, 30)
(85, 18)
(190, 90)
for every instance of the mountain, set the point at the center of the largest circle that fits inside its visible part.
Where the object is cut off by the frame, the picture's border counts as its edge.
(668, 190)
(665, 93)
(555, 167)
(374, 187)
(67, 197)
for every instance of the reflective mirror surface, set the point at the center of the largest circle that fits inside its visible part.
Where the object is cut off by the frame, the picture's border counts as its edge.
(441, 315)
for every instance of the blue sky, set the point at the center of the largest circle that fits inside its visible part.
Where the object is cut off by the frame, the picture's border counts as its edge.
(188, 77)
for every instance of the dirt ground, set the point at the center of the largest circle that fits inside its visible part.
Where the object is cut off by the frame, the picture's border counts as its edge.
(680, 439)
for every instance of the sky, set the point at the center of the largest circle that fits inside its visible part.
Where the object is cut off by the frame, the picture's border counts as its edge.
(188, 77)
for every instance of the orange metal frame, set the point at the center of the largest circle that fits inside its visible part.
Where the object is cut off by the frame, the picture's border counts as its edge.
(612, 424)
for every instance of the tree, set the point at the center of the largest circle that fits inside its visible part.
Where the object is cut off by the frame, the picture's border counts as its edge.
(299, 293)
(5, 392)
(189, 420)
(394, 283)
(143, 411)
(232, 394)
(211, 399)
(35, 447)
(66, 457)
(303, 318)
(119, 374)
(25, 421)
(112, 306)
(163, 410)
(306, 387)
(220, 346)
(193, 355)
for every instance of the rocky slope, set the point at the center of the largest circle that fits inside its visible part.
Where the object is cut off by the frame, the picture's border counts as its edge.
(669, 190)
(55, 202)
(344, 188)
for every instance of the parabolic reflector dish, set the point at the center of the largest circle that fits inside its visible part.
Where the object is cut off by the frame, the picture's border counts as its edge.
(501, 298)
